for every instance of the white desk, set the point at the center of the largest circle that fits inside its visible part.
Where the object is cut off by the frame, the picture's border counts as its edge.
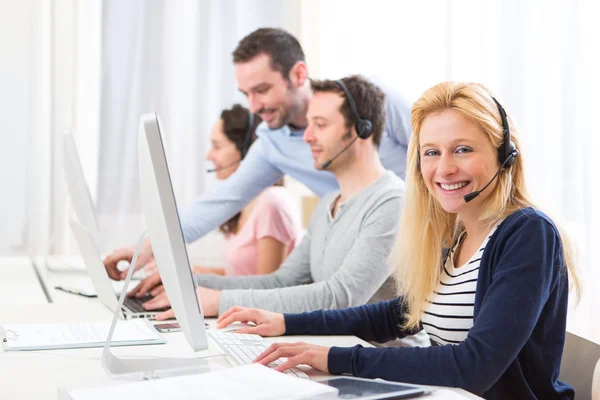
(52, 279)
(18, 283)
(39, 374)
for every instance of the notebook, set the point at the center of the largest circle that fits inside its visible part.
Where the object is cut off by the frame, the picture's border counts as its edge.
(251, 381)
(77, 335)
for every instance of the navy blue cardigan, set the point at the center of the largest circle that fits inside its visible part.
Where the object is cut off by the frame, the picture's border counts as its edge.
(513, 350)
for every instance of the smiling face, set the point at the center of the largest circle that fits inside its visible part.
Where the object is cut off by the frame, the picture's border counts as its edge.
(326, 132)
(269, 95)
(223, 153)
(457, 158)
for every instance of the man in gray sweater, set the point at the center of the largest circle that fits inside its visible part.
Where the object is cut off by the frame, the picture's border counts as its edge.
(342, 260)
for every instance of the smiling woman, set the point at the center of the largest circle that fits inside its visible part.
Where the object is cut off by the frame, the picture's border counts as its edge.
(459, 131)
(494, 304)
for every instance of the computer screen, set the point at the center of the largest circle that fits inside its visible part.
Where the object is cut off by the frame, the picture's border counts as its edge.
(78, 188)
(164, 230)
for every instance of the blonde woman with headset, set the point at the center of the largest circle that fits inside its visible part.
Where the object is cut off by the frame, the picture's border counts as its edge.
(478, 266)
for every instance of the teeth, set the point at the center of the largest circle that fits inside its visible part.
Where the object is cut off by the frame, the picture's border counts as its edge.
(454, 186)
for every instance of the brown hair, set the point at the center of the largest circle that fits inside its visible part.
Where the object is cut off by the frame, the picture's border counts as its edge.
(283, 49)
(237, 130)
(369, 100)
(236, 127)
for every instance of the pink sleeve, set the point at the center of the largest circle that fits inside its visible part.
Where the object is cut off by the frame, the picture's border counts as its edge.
(274, 218)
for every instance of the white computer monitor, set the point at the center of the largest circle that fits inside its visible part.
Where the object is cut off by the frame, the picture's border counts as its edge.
(164, 230)
(78, 188)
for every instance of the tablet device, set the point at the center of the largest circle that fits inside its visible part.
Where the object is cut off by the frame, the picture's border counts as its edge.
(370, 389)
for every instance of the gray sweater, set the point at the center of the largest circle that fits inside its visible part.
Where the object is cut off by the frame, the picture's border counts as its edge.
(341, 262)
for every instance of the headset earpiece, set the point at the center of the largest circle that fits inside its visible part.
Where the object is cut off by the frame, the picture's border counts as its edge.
(507, 153)
(364, 127)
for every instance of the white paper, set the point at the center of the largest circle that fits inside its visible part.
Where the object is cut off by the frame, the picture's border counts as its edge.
(245, 382)
(77, 335)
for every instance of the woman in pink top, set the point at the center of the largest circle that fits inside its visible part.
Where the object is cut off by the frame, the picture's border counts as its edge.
(260, 237)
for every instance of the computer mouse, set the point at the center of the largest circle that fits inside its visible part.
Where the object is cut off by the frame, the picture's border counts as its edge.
(122, 265)
(237, 325)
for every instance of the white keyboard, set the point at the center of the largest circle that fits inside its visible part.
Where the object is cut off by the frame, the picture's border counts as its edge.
(243, 348)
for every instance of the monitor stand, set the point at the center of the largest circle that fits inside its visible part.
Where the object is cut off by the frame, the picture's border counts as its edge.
(144, 369)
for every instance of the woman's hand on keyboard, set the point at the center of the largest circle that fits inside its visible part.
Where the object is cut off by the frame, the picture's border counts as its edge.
(296, 354)
(267, 323)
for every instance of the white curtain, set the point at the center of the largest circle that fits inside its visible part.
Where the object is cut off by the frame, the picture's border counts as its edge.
(172, 58)
(38, 102)
(94, 67)
(540, 56)
(17, 101)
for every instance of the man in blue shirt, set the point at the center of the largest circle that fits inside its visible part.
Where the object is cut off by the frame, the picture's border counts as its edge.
(270, 70)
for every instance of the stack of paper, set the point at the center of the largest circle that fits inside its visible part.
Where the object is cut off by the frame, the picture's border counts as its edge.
(251, 381)
(77, 335)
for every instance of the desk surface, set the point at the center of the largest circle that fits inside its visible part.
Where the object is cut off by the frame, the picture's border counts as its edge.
(19, 283)
(39, 374)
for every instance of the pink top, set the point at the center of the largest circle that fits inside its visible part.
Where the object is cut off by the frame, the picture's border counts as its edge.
(272, 216)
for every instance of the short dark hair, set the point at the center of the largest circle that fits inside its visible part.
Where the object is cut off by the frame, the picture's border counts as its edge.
(368, 97)
(283, 49)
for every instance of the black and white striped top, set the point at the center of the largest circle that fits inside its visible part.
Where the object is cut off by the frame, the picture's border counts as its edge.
(448, 315)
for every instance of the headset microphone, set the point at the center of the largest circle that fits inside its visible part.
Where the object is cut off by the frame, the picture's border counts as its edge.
(327, 163)
(507, 153)
(225, 167)
(476, 193)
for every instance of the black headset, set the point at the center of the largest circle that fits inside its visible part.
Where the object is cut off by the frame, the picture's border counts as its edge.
(364, 127)
(244, 150)
(507, 152)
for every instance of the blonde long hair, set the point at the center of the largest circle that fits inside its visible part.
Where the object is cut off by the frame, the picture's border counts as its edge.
(425, 228)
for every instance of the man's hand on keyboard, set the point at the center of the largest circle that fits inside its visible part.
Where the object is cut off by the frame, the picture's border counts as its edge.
(296, 354)
(209, 298)
(267, 323)
(126, 253)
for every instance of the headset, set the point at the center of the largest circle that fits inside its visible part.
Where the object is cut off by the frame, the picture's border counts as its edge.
(244, 150)
(507, 152)
(245, 147)
(363, 126)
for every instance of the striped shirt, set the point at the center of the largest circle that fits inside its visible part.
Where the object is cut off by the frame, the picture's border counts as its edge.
(448, 317)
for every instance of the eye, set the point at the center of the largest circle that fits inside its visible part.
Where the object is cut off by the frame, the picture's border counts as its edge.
(262, 91)
(431, 153)
(463, 149)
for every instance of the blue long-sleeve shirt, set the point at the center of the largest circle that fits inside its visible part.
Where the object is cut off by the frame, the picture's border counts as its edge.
(282, 151)
(513, 350)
